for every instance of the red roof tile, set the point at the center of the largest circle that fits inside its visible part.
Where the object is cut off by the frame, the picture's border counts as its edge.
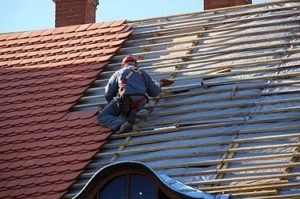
(44, 146)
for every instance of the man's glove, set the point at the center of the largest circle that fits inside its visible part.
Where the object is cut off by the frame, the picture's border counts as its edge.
(165, 82)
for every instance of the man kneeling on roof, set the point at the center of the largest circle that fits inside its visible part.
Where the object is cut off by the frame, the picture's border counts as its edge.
(127, 92)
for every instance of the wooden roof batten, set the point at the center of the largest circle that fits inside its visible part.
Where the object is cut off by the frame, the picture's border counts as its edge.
(251, 100)
(210, 84)
(214, 11)
(184, 63)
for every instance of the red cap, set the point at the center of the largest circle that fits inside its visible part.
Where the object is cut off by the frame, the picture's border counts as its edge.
(128, 59)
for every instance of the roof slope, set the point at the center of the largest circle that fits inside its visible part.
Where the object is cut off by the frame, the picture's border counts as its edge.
(44, 146)
(238, 136)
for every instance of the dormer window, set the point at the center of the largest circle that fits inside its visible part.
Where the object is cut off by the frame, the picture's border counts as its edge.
(133, 180)
(131, 187)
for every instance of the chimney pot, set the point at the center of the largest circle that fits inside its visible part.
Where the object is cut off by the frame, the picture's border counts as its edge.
(213, 4)
(75, 12)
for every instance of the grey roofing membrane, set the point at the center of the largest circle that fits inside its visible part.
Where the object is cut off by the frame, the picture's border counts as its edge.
(238, 136)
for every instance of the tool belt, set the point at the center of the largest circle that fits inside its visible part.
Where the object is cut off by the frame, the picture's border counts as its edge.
(126, 103)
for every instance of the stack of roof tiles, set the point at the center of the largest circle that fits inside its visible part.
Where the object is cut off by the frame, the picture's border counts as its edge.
(44, 146)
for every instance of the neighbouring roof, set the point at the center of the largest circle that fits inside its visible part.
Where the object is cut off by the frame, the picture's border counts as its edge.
(238, 136)
(43, 145)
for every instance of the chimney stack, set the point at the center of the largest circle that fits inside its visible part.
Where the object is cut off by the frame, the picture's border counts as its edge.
(75, 12)
(213, 4)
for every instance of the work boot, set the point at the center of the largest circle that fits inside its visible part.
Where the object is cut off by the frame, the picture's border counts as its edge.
(124, 128)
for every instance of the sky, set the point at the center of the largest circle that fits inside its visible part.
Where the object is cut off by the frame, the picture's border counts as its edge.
(23, 15)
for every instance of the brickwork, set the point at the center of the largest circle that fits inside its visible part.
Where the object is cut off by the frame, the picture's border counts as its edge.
(74, 12)
(213, 4)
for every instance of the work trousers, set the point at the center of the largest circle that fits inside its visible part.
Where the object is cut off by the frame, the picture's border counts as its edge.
(113, 118)
(110, 116)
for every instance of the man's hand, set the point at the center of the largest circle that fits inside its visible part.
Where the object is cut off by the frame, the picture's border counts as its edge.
(165, 82)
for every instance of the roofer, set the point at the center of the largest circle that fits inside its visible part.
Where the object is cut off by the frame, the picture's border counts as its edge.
(127, 92)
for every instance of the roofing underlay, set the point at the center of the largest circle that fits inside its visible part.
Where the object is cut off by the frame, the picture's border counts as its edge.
(44, 146)
(230, 124)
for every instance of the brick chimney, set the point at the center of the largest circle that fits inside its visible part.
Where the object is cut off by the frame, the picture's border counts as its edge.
(213, 4)
(75, 12)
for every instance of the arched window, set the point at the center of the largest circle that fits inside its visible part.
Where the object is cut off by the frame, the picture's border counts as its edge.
(131, 186)
(128, 180)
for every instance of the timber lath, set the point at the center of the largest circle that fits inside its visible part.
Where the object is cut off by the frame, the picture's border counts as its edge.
(230, 123)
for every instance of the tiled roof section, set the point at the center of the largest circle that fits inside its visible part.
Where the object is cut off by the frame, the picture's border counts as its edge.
(44, 146)
(82, 44)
